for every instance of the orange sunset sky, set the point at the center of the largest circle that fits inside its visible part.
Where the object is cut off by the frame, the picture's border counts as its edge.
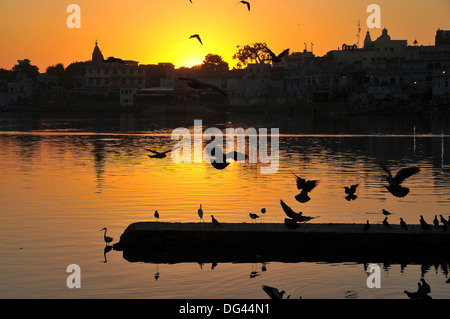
(158, 31)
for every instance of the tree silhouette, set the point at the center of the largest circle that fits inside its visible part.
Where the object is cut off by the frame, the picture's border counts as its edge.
(24, 68)
(251, 53)
(214, 62)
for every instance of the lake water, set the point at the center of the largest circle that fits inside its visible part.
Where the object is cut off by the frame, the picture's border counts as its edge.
(65, 178)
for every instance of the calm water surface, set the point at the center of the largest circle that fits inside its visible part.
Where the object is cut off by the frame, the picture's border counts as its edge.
(63, 179)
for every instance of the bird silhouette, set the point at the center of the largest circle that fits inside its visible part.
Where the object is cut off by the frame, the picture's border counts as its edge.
(273, 293)
(436, 221)
(253, 216)
(305, 186)
(197, 37)
(106, 238)
(291, 223)
(425, 286)
(276, 58)
(351, 190)
(200, 213)
(424, 224)
(385, 212)
(366, 226)
(263, 212)
(156, 215)
(443, 220)
(215, 222)
(223, 163)
(112, 59)
(395, 187)
(386, 223)
(196, 84)
(244, 2)
(403, 224)
(298, 217)
(161, 154)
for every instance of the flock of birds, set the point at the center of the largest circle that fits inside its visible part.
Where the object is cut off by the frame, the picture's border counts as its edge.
(220, 161)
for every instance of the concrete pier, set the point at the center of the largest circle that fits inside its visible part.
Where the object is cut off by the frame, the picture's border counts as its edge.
(161, 242)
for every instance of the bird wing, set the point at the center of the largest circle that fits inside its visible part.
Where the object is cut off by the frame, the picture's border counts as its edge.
(282, 54)
(247, 3)
(387, 170)
(300, 181)
(288, 211)
(200, 40)
(271, 53)
(405, 173)
(212, 86)
(310, 185)
(354, 187)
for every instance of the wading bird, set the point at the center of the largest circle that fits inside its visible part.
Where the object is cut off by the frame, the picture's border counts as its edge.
(197, 37)
(244, 2)
(395, 187)
(200, 213)
(215, 222)
(106, 238)
(263, 211)
(385, 212)
(222, 163)
(403, 224)
(273, 293)
(385, 223)
(443, 221)
(253, 216)
(305, 187)
(196, 84)
(276, 58)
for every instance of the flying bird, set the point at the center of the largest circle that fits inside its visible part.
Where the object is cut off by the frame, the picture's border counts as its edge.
(244, 2)
(223, 163)
(197, 37)
(298, 217)
(305, 187)
(160, 154)
(253, 216)
(200, 213)
(385, 223)
(215, 222)
(273, 293)
(276, 58)
(196, 84)
(395, 187)
(403, 224)
(350, 191)
(106, 238)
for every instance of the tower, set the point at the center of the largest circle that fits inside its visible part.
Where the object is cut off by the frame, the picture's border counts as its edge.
(97, 55)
